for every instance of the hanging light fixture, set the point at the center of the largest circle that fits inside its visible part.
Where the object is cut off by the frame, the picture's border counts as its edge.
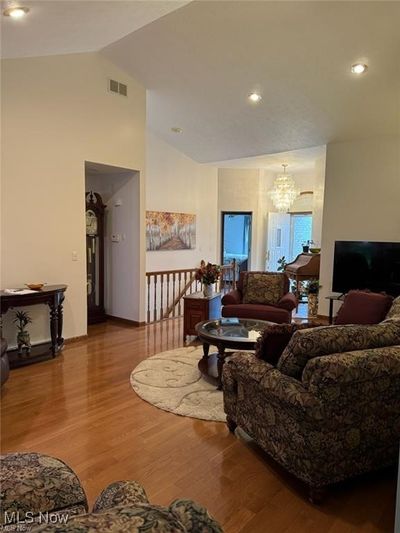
(284, 191)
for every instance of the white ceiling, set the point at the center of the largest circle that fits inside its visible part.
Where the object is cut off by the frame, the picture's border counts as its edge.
(69, 26)
(99, 169)
(201, 61)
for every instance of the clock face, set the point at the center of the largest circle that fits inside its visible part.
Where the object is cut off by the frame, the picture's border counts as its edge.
(91, 223)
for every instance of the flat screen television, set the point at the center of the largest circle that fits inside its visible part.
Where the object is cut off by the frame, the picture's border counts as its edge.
(367, 265)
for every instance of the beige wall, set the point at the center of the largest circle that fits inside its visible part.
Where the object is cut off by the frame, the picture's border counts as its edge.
(247, 190)
(57, 113)
(362, 198)
(176, 183)
(239, 190)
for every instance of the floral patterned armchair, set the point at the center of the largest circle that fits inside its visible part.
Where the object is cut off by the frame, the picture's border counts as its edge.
(330, 409)
(261, 295)
(41, 493)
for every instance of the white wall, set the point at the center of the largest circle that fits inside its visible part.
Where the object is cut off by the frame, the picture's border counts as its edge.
(362, 198)
(120, 192)
(318, 199)
(57, 113)
(176, 183)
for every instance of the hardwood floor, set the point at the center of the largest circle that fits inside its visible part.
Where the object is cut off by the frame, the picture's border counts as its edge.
(80, 407)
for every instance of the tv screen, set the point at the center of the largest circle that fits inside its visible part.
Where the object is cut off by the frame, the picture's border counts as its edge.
(367, 265)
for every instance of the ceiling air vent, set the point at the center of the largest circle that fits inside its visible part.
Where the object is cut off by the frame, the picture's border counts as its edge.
(117, 87)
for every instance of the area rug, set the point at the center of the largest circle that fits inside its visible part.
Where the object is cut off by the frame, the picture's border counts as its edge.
(171, 381)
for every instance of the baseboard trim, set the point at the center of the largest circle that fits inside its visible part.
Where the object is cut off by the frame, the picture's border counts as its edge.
(75, 339)
(125, 321)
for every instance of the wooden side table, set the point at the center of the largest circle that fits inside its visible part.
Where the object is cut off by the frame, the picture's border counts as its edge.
(333, 298)
(197, 308)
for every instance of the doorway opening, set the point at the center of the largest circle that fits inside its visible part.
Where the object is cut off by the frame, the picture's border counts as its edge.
(113, 243)
(287, 232)
(236, 238)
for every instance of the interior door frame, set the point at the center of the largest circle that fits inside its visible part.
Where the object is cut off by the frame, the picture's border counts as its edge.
(223, 213)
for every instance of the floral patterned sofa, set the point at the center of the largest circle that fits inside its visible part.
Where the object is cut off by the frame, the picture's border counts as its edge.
(41, 493)
(330, 409)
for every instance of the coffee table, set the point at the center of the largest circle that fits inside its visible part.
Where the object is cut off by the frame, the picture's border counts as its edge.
(236, 333)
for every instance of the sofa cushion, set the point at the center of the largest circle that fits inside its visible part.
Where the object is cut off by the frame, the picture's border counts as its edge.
(309, 343)
(273, 341)
(263, 288)
(33, 482)
(361, 307)
(258, 312)
(394, 311)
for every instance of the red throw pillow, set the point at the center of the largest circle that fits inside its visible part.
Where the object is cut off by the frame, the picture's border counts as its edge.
(362, 307)
(273, 341)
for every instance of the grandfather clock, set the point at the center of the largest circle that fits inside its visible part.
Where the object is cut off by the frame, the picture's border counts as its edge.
(95, 210)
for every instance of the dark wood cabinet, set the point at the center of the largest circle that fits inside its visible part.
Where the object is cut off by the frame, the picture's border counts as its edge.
(197, 308)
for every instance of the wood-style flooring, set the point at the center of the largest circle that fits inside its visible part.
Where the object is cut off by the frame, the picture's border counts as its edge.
(80, 407)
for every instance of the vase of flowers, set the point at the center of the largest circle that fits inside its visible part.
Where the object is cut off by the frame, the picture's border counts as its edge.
(208, 274)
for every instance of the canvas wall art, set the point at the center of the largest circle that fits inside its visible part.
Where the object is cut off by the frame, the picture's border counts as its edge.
(170, 231)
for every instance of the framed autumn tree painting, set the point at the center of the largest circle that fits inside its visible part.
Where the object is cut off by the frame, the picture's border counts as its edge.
(170, 231)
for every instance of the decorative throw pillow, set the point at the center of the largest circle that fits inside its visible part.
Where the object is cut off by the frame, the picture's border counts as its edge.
(263, 288)
(362, 307)
(307, 344)
(271, 344)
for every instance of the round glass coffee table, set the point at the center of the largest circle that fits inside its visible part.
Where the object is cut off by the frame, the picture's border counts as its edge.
(236, 333)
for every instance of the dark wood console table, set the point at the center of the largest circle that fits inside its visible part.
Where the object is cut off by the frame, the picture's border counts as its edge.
(53, 296)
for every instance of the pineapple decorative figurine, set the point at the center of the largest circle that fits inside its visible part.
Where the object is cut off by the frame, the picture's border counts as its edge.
(22, 319)
(312, 291)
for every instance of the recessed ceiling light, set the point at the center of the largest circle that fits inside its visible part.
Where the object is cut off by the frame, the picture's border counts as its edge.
(16, 12)
(255, 97)
(359, 68)
(175, 129)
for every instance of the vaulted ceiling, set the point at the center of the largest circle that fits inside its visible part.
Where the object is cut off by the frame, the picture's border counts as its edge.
(199, 62)
(72, 26)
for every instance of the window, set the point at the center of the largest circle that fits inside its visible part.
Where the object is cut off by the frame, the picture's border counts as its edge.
(300, 232)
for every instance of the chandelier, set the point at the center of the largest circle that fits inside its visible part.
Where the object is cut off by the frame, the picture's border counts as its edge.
(284, 191)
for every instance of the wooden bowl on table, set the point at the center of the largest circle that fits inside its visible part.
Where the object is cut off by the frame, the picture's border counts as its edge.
(35, 286)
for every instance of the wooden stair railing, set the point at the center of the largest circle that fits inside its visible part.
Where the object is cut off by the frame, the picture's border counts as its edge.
(165, 292)
(166, 289)
(229, 275)
(178, 299)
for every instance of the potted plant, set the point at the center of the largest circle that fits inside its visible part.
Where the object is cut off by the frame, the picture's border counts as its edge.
(22, 319)
(282, 264)
(312, 290)
(208, 274)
